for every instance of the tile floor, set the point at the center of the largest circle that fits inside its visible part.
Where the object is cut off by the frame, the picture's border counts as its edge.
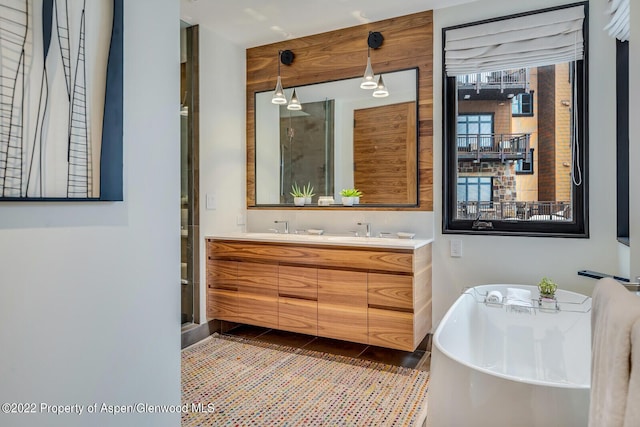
(419, 359)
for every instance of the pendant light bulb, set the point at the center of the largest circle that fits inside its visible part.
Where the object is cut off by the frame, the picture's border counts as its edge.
(294, 104)
(381, 90)
(278, 93)
(369, 80)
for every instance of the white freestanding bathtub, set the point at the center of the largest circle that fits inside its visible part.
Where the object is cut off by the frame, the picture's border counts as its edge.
(493, 365)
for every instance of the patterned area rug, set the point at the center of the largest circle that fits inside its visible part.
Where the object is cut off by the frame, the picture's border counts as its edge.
(230, 381)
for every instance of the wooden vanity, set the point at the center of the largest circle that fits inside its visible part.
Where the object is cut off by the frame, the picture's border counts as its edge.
(368, 290)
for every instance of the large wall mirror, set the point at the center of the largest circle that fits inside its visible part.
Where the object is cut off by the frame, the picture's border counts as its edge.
(342, 138)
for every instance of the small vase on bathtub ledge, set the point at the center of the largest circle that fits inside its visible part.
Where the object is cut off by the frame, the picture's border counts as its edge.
(547, 298)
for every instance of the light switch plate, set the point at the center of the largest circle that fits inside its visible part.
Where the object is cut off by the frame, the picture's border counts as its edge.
(456, 248)
(211, 201)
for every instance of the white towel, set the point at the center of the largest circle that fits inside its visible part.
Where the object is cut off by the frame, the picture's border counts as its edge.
(494, 297)
(519, 297)
(613, 314)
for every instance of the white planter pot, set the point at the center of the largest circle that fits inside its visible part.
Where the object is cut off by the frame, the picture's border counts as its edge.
(347, 201)
(307, 200)
(298, 201)
(356, 200)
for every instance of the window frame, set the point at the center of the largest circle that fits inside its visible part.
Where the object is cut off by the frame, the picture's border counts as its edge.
(479, 185)
(531, 169)
(579, 226)
(520, 103)
(622, 142)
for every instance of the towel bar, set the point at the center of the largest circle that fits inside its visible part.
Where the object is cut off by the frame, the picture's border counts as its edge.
(633, 287)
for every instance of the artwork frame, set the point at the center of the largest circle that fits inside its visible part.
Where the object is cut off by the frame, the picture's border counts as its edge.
(65, 142)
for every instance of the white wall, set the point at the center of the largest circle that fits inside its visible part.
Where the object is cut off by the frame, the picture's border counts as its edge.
(485, 259)
(525, 259)
(222, 141)
(90, 301)
(634, 139)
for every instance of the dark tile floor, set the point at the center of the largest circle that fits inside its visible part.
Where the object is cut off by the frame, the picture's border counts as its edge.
(419, 359)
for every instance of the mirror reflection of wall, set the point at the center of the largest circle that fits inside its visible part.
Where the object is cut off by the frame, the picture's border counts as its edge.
(292, 147)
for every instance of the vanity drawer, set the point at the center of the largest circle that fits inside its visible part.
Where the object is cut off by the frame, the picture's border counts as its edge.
(390, 291)
(222, 274)
(222, 304)
(256, 309)
(342, 305)
(258, 278)
(298, 282)
(298, 315)
(392, 329)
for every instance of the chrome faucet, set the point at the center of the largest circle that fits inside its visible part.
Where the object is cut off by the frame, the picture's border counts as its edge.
(286, 225)
(368, 226)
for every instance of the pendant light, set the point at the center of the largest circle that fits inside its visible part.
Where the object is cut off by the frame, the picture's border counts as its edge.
(369, 80)
(294, 104)
(278, 93)
(285, 57)
(381, 89)
(374, 41)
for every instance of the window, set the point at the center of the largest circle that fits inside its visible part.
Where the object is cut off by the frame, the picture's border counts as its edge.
(474, 189)
(474, 196)
(522, 104)
(491, 130)
(525, 165)
(474, 131)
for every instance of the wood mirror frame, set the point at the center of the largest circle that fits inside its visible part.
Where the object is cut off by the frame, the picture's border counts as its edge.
(342, 54)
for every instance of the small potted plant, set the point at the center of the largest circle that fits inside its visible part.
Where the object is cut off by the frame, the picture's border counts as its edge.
(298, 196)
(349, 196)
(307, 192)
(547, 290)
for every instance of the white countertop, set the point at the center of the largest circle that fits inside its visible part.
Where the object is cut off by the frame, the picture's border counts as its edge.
(327, 239)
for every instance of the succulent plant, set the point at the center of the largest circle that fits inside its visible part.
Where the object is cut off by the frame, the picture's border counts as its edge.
(296, 191)
(547, 287)
(350, 192)
(307, 190)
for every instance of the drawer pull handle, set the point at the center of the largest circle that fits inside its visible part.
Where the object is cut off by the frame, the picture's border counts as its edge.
(297, 297)
(384, 307)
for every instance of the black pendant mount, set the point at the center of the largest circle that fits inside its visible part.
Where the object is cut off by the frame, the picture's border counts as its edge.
(286, 57)
(375, 39)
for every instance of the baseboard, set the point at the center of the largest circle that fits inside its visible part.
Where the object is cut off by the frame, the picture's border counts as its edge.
(425, 344)
(199, 332)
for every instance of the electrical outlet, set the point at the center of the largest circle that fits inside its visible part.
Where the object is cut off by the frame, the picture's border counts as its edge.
(240, 219)
(456, 248)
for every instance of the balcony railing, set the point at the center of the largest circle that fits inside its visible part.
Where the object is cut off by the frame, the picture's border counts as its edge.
(495, 80)
(514, 211)
(479, 147)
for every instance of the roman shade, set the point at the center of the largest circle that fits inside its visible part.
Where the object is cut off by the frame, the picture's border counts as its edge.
(532, 40)
(618, 25)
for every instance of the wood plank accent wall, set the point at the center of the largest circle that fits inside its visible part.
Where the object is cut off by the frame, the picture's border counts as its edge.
(342, 54)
